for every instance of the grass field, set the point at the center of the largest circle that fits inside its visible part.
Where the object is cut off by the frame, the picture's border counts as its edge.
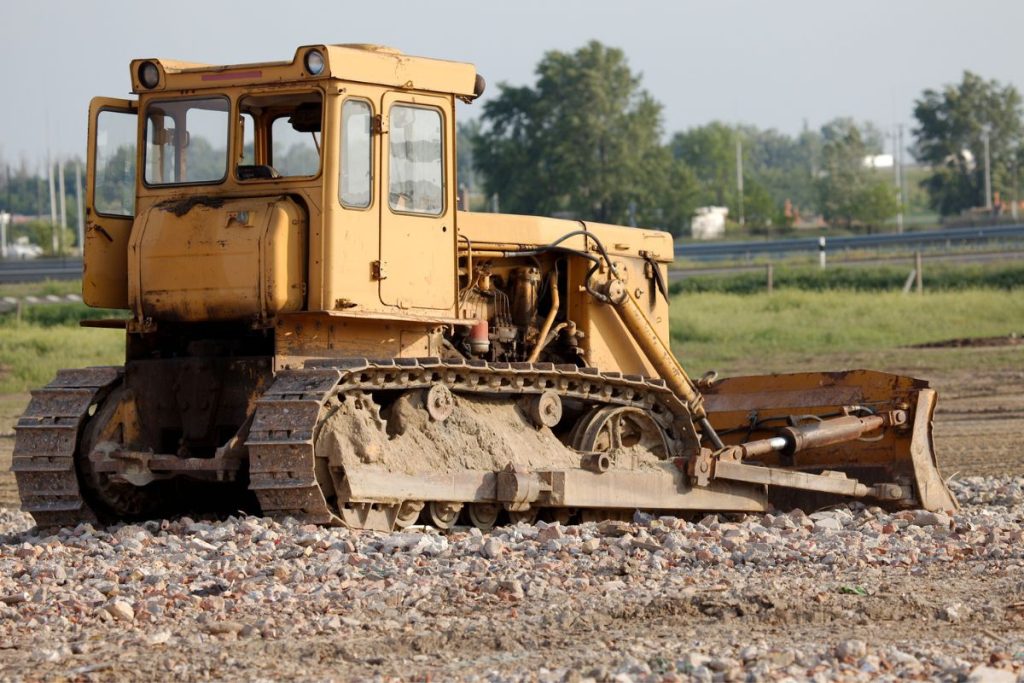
(31, 354)
(792, 329)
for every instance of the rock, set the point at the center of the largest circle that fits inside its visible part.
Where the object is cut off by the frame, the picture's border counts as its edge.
(988, 674)
(828, 524)
(692, 660)
(201, 545)
(951, 613)
(158, 637)
(493, 547)
(851, 649)
(121, 610)
(551, 533)
(591, 545)
(613, 528)
(926, 518)
(780, 659)
(514, 589)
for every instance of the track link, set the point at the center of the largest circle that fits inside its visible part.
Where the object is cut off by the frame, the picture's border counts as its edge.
(46, 440)
(282, 461)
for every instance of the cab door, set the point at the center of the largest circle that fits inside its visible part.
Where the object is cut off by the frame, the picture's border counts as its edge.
(109, 201)
(417, 226)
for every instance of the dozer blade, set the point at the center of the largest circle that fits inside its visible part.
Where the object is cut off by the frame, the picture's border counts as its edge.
(747, 409)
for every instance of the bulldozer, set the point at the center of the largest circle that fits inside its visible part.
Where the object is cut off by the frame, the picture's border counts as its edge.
(316, 329)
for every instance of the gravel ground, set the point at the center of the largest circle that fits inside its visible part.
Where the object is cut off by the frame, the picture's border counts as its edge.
(851, 593)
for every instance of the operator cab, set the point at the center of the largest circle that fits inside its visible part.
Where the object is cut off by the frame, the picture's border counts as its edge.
(324, 182)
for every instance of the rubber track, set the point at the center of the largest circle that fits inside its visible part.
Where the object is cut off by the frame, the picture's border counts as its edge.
(46, 439)
(282, 464)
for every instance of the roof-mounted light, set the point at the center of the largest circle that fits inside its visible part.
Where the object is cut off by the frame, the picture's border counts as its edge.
(149, 75)
(314, 62)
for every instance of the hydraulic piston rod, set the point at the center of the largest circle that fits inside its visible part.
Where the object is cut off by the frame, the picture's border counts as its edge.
(660, 356)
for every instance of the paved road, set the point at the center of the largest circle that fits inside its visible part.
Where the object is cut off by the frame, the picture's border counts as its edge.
(953, 236)
(908, 261)
(34, 270)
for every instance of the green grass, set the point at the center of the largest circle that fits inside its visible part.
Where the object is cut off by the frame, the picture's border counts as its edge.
(58, 287)
(31, 354)
(791, 329)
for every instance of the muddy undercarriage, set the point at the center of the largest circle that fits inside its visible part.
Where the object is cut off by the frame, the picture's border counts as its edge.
(385, 444)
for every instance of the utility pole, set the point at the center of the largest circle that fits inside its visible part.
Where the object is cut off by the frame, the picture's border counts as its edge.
(81, 210)
(1016, 200)
(63, 204)
(897, 134)
(4, 219)
(739, 175)
(53, 202)
(985, 133)
(900, 193)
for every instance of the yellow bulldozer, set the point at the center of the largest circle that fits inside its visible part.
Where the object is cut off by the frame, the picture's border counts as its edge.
(316, 329)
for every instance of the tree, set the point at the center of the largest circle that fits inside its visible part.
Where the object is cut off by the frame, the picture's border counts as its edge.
(465, 133)
(848, 191)
(783, 166)
(949, 136)
(710, 151)
(585, 139)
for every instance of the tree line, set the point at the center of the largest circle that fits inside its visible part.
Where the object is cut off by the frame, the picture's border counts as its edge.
(587, 140)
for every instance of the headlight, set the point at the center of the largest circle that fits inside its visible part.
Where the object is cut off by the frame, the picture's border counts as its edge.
(314, 62)
(149, 75)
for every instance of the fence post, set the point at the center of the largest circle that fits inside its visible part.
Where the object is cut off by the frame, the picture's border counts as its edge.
(770, 277)
(918, 276)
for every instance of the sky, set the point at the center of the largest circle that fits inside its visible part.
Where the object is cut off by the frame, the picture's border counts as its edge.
(773, 64)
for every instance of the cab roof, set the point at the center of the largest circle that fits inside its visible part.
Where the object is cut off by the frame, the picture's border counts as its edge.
(363, 63)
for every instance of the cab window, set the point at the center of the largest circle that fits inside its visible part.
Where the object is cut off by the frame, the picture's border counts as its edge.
(415, 164)
(114, 191)
(281, 136)
(356, 181)
(186, 141)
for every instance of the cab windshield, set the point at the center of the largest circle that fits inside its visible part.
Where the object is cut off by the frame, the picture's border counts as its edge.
(276, 136)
